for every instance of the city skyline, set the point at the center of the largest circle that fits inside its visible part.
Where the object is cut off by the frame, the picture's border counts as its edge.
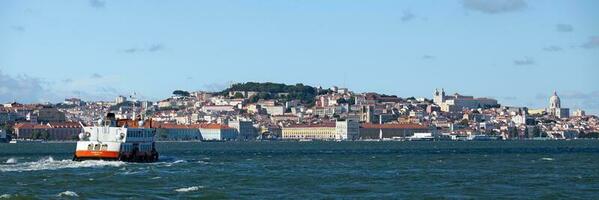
(516, 51)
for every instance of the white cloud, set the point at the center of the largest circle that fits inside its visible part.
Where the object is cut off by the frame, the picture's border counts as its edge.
(495, 6)
(20, 88)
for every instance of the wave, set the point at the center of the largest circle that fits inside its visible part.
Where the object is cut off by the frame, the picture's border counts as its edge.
(67, 194)
(11, 161)
(49, 163)
(189, 189)
(548, 159)
(5, 196)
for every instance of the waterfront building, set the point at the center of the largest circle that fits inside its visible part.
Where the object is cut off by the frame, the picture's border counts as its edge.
(177, 132)
(245, 129)
(381, 131)
(217, 132)
(338, 130)
(49, 131)
(324, 131)
(347, 129)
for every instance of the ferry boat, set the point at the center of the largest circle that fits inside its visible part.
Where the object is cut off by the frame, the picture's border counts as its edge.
(106, 141)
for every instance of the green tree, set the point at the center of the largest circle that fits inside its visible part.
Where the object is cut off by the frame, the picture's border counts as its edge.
(464, 122)
(181, 93)
(238, 95)
(342, 101)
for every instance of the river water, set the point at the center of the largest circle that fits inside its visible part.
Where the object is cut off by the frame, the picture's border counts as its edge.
(311, 170)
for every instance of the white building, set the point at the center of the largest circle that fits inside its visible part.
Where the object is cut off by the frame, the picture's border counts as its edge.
(120, 99)
(555, 107)
(245, 129)
(217, 132)
(216, 108)
(457, 102)
(347, 129)
(274, 110)
(579, 113)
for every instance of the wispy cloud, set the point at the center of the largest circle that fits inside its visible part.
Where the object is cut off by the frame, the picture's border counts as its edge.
(495, 6)
(564, 28)
(18, 28)
(552, 48)
(592, 43)
(151, 48)
(131, 50)
(524, 61)
(20, 88)
(428, 57)
(407, 16)
(156, 47)
(96, 76)
(67, 80)
(97, 3)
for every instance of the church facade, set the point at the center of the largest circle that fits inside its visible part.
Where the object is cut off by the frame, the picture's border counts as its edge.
(555, 107)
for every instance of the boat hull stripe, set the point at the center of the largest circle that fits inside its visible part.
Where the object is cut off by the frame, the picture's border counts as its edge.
(97, 154)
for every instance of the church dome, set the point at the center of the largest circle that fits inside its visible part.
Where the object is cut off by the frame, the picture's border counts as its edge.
(554, 101)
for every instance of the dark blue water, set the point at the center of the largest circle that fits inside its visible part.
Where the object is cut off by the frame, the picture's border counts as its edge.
(312, 170)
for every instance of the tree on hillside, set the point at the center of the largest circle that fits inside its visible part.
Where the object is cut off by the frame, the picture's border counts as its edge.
(238, 95)
(181, 93)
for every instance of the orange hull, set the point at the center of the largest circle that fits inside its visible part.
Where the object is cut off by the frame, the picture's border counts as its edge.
(97, 154)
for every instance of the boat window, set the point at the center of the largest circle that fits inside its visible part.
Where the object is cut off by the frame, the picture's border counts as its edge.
(90, 147)
(97, 147)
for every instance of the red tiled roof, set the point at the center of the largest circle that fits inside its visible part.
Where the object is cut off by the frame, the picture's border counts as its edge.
(213, 126)
(64, 125)
(173, 126)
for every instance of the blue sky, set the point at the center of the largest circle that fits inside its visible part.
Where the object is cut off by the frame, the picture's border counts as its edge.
(514, 50)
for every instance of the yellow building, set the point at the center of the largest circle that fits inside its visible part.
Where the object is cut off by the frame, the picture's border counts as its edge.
(338, 130)
(310, 131)
(536, 111)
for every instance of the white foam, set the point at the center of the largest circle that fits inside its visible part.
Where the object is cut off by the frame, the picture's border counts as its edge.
(50, 164)
(202, 162)
(179, 161)
(189, 189)
(548, 159)
(68, 194)
(11, 161)
(5, 196)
